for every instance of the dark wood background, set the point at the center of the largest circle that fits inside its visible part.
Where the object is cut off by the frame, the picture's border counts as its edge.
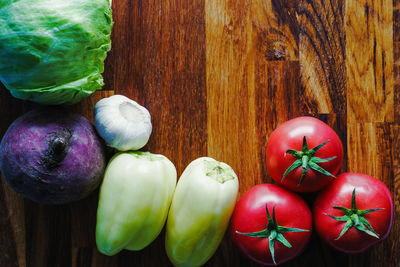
(218, 76)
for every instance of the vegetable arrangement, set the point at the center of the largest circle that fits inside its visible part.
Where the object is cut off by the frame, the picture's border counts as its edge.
(139, 187)
(56, 51)
(140, 193)
(352, 212)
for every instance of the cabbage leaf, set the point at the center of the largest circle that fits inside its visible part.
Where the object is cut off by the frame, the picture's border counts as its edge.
(53, 51)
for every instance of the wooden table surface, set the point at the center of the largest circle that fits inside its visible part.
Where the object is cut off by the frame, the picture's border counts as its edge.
(217, 77)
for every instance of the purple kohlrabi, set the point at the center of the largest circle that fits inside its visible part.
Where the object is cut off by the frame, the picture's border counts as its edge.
(52, 156)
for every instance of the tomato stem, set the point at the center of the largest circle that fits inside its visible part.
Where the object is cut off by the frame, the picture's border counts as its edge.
(273, 232)
(355, 218)
(306, 159)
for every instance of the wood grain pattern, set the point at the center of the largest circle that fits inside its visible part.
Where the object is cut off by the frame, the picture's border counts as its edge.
(370, 72)
(369, 64)
(218, 77)
(396, 21)
(230, 65)
(396, 74)
(241, 36)
(10, 256)
(395, 186)
(322, 55)
(276, 28)
(396, 60)
(162, 75)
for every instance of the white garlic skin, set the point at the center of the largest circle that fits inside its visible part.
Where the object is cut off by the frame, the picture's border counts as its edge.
(122, 123)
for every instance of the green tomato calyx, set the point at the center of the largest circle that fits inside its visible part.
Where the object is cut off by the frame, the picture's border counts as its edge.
(355, 218)
(273, 232)
(306, 159)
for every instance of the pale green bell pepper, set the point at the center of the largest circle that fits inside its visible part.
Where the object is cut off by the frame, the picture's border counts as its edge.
(202, 205)
(134, 199)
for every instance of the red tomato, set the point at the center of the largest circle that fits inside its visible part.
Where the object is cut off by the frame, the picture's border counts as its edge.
(372, 203)
(288, 223)
(310, 147)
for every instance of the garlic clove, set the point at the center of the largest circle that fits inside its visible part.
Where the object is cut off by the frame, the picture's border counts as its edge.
(122, 123)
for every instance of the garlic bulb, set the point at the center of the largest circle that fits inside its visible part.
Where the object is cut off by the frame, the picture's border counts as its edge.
(122, 123)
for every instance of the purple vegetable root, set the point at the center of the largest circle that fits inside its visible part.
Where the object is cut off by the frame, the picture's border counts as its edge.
(52, 156)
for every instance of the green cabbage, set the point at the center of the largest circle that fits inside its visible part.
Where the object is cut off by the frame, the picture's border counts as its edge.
(52, 51)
